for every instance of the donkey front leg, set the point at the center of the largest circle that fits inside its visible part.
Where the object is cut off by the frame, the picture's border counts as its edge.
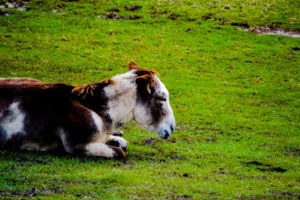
(103, 150)
(93, 148)
(117, 141)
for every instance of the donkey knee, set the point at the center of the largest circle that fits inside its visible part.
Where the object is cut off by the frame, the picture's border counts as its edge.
(117, 142)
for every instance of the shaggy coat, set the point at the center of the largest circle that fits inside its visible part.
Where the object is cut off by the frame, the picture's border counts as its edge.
(81, 119)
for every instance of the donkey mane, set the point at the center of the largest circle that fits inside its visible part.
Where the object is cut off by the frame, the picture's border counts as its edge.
(82, 91)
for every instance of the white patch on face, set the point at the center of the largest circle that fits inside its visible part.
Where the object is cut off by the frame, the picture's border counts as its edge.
(120, 109)
(99, 149)
(143, 117)
(14, 122)
(63, 137)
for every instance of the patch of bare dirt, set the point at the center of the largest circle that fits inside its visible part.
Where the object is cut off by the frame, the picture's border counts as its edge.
(272, 195)
(272, 169)
(114, 16)
(265, 167)
(176, 157)
(244, 25)
(13, 5)
(132, 8)
(264, 30)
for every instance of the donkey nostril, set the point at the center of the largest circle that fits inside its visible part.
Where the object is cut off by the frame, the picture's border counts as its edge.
(166, 134)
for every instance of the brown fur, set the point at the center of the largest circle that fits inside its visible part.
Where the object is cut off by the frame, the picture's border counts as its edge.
(63, 115)
(83, 91)
(145, 77)
(50, 106)
(133, 66)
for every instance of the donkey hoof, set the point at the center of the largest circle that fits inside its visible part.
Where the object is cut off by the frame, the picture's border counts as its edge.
(118, 153)
(124, 148)
(117, 141)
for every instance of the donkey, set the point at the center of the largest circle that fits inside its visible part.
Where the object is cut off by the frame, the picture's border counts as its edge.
(82, 119)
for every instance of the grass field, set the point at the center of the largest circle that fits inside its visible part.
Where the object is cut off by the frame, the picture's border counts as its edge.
(235, 95)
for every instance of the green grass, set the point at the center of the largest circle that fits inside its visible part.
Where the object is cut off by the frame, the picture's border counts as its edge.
(235, 96)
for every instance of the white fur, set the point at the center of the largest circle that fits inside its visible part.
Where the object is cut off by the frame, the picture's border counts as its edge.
(14, 123)
(117, 132)
(120, 109)
(142, 116)
(123, 106)
(62, 135)
(99, 149)
(120, 140)
(97, 120)
(100, 136)
(121, 82)
(121, 95)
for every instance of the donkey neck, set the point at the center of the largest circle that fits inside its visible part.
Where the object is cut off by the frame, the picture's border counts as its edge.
(121, 96)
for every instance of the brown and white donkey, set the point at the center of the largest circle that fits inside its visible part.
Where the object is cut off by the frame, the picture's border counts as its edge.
(81, 119)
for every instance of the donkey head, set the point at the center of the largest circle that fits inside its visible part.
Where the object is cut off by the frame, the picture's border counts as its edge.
(153, 110)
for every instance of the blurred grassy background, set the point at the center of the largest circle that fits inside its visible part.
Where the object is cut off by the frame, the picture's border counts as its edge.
(235, 97)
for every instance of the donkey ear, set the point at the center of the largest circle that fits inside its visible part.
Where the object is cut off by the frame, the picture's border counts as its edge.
(132, 65)
(146, 82)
